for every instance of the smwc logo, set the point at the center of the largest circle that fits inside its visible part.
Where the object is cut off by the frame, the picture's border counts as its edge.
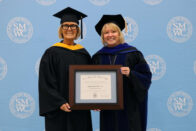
(99, 2)
(180, 104)
(20, 30)
(22, 105)
(157, 66)
(132, 30)
(179, 29)
(46, 2)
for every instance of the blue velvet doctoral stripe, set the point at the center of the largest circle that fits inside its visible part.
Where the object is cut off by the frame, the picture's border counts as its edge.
(121, 48)
(142, 72)
(120, 51)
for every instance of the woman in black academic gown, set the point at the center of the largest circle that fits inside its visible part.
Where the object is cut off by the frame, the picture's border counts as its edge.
(136, 76)
(54, 78)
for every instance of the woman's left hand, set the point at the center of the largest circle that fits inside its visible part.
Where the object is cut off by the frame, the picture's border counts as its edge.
(125, 71)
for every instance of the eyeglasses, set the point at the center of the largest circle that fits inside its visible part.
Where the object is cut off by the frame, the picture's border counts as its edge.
(72, 27)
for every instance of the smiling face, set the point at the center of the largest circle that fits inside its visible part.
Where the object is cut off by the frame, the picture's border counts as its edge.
(111, 35)
(69, 30)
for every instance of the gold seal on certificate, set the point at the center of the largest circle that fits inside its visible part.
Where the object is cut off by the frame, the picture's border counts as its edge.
(95, 87)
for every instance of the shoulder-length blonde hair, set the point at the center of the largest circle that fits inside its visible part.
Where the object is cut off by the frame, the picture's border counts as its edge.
(60, 33)
(114, 27)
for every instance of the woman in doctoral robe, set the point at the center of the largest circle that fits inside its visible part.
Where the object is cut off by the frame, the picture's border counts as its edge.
(54, 77)
(136, 76)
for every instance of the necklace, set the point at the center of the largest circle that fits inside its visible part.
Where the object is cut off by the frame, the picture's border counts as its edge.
(112, 59)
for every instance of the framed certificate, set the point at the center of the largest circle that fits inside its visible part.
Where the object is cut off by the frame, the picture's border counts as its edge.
(95, 87)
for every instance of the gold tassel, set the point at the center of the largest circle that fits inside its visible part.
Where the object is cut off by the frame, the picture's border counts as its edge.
(125, 26)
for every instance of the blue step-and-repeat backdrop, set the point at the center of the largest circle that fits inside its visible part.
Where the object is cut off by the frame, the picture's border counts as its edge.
(164, 30)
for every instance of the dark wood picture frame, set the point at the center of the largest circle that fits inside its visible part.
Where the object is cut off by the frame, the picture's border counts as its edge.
(118, 82)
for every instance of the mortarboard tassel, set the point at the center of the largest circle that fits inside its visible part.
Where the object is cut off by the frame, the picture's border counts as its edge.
(125, 26)
(81, 28)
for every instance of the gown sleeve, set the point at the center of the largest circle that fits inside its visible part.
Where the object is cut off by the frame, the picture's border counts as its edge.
(49, 98)
(140, 75)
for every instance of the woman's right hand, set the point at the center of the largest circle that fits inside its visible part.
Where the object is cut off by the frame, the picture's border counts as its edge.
(65, 107)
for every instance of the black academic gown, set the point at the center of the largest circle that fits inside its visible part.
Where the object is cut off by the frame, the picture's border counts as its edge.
(135, 89)
(54, 88)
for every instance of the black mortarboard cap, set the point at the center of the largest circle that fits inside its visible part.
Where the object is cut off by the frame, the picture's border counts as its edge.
(116, 19)
(70, 15)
